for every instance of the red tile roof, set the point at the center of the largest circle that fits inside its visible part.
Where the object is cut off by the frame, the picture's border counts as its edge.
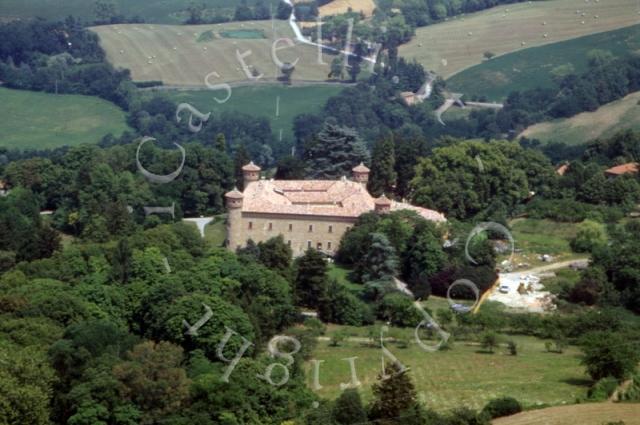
(251, 167)
(629, 168)
(562, 169)
(333, 198)
(360, 168)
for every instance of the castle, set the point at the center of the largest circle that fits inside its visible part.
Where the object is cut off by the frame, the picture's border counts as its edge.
(307, 213)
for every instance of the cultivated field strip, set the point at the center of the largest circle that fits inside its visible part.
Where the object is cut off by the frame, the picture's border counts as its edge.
(449, 47)
(580, 414)
(173, 54)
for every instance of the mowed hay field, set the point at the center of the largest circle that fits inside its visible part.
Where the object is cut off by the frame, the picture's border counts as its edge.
(605, 121)
(337, 7)
(538, 66)
(35, 120)
(579, 414)
(178, 54)
(449, 47)
(462, 376)
(262, 101)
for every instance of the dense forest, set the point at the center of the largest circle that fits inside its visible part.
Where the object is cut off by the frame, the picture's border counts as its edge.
(101, 300)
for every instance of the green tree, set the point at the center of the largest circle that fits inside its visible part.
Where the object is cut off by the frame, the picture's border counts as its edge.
(104, 10)
(383, 175)
(489, 341)
(380, 261)
(275, 254)
(589, 235)
(348, 408)
(220, 142)
(334, 152)
(287, 69)
(240, 159)
(424, 255)
(608, 354)
(336, 68)
(153, 380)
(392, 394)
(311, 280)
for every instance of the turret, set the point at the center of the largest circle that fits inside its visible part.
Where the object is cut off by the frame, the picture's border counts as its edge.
(250, 173)
(234, 218)
(382, 205)
(361, 173)
(234, 199)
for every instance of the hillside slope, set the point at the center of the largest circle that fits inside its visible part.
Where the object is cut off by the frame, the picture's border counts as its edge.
(449, 47)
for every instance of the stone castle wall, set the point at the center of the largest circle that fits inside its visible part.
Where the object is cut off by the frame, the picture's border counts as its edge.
(324, 234)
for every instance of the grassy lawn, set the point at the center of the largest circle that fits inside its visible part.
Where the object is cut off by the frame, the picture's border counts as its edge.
(602, 123)
(216, 232)
(173, 54)
(449, 47)
(341, 274)
(553, 284)
(462, 375)
(534, 67)
(537, 237)
(44, 120)
(261, 101)
(155, 11)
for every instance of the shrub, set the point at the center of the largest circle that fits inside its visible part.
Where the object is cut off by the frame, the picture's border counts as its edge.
(513, 348)
(602, 389)
(504, 406)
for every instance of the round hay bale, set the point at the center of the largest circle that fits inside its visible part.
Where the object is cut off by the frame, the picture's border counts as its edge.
(523, 43)
(469, 33)
(582, 22)
(175, 48)
(545, 35)
(544, 23)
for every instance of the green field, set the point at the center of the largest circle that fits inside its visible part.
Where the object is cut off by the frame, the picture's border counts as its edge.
(449, 47)
(34, 120)
(462, 375)
(604, 122)
(177, 55)
(260, 101)
(536, 237)
(535, 67)
(153, 11)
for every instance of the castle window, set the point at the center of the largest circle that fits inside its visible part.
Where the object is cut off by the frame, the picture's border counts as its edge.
(319, 246)
(250, 225)
(270, 226)
(330, 229)
(308, 244)
(328, 245)
(348, 227)
(289, 243)
(311, 228)
(290, 227)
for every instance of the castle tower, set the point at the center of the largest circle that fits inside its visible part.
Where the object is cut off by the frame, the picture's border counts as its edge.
(361, 174)
(234, 218)
(382, 204)
(250, 173)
